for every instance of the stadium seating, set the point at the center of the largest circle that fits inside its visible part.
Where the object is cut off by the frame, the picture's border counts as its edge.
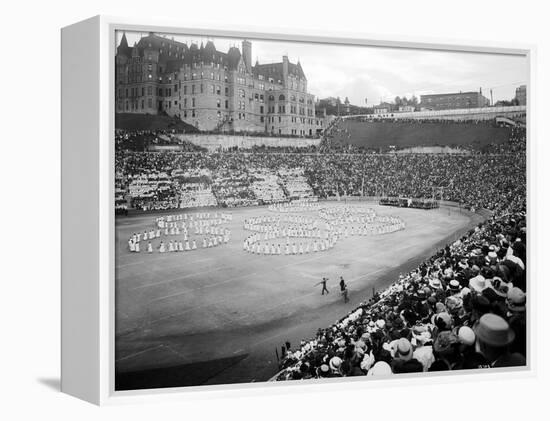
(462, 308)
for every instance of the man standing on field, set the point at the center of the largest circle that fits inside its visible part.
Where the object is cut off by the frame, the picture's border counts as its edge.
(324, 283)
(344, 289)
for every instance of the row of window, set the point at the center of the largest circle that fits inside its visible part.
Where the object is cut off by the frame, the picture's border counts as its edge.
(135, 91)
(213, 89)
(135, 105)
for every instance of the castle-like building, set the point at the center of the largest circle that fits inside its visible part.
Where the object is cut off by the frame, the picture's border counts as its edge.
(212, 90)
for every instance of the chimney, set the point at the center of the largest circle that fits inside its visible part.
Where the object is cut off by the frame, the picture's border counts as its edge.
(285, 69)
(247, 54)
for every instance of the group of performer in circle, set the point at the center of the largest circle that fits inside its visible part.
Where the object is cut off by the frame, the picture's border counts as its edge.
(302, 234)
(295, 234)
(206, 225)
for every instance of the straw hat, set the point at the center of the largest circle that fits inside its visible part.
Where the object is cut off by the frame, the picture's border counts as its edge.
(494, 330)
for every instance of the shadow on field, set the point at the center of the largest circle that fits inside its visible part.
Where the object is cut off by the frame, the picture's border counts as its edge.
(194, 374)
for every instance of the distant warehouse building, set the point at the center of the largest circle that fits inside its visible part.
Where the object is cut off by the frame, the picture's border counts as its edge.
(521, 95)
(453, 101)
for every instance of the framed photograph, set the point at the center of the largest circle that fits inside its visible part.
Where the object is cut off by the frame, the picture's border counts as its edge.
(245, 209)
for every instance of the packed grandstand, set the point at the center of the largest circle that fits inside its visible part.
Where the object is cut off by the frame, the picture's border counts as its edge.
(463, 308)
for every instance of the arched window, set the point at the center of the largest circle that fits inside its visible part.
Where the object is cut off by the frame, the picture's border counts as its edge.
(271, 98)
(281, 97)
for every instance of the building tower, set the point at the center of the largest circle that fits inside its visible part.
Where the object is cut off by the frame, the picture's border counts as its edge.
(247, 54)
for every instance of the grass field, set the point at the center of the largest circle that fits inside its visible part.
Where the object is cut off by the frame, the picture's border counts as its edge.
(216, 315)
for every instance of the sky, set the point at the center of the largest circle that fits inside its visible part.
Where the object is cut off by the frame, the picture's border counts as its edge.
(374, 74)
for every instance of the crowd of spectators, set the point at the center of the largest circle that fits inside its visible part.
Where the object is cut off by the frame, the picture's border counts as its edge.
(343, 135)
(490, 180)
(457, 120)
(409, 203)
(464, 308)
(142, 140)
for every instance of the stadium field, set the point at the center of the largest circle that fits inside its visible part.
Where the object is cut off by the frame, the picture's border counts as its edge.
(217, 315)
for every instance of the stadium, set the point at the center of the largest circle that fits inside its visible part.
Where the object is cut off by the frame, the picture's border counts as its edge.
(232, 246)
(264, 234)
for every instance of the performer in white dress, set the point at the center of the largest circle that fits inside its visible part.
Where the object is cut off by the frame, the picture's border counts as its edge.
(149, 247)
(162, 247)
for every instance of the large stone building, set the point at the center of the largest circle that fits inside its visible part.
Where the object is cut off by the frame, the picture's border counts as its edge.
(453, 101)
(212, 90)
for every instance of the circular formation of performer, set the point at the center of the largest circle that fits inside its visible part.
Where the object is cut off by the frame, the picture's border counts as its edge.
(183, 232)
(298, 234)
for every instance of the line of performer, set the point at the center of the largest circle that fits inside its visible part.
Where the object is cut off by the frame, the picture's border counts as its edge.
(204, 224)
(254, 246)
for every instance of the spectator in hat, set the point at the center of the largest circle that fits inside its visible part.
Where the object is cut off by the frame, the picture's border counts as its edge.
(517, 319)
(494, 337)
(477, 283)
(515, 300)
(380, 369)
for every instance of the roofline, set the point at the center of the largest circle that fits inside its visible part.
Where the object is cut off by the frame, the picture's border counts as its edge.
(453, 93)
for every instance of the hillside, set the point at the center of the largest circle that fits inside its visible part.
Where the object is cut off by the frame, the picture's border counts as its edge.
(151, 122)
(401, 134)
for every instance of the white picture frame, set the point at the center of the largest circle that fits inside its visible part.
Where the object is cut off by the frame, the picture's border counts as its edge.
(88, 51)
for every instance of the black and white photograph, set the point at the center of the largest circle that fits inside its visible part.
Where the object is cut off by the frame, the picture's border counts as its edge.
(302, 211)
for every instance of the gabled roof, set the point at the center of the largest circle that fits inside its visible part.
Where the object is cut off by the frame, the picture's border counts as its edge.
(275, 70)
(172, 51)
